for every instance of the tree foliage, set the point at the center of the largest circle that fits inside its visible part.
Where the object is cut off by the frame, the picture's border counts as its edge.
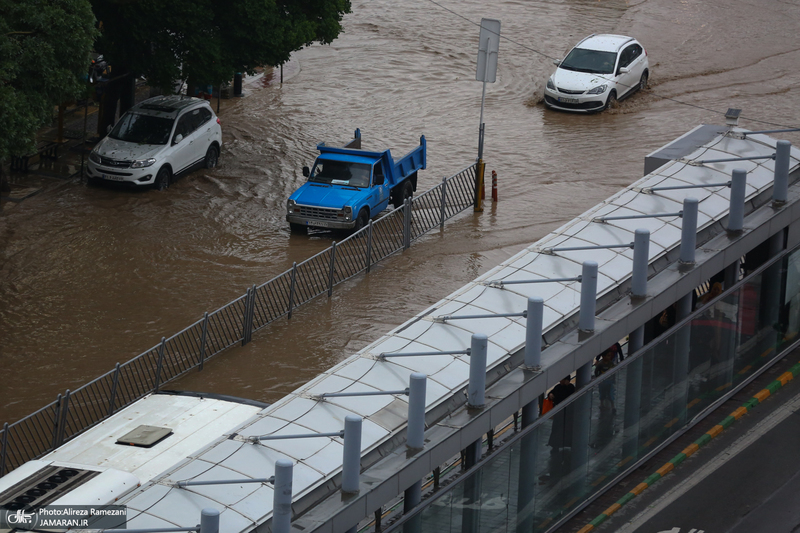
(209, 41)
(44, 58)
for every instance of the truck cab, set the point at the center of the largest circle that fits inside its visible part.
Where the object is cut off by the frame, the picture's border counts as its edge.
(347, 186)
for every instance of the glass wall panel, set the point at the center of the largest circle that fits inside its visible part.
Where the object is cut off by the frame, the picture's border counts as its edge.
(599, 432)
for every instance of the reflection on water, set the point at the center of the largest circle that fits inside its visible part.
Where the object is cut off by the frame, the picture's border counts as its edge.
(94, 276)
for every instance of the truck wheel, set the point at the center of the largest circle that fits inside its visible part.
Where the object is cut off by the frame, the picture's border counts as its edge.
(362, 220)
(298, 229)
(406, 190)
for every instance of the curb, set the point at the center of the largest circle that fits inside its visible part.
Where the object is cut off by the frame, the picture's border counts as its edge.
(690, 450)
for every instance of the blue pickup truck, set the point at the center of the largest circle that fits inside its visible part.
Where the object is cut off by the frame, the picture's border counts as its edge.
(347, 186)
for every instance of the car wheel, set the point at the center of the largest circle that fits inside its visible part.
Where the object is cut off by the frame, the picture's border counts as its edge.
(643, 81)
(298, 229)
(406, 190)
(212, 156)
(163, 179)
(362, 220)
(612, 100)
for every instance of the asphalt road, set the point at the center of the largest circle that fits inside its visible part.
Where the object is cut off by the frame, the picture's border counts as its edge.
(752, 485)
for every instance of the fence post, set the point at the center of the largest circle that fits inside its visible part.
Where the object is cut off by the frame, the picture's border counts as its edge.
(56, 421)
(114, 385)
(291, 289)
(203, 340)
(160, 362)
(330, 271)
(444, 202)
(249, 308)
(3, 450)
(407, 224)
(282, 497)
(244, 316)
(209, 520)
(369, 244)
(63, 423)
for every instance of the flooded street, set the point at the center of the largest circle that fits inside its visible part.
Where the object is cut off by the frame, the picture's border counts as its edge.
(94, 276)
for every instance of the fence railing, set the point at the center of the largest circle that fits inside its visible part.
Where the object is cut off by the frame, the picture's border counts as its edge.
(75, 411)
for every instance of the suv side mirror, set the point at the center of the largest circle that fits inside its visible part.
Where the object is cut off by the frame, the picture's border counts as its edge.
(379, 179)
(306, 172)
(178, 138)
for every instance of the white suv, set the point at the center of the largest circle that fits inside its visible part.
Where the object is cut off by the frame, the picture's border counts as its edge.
(156, 141)
(600, 70)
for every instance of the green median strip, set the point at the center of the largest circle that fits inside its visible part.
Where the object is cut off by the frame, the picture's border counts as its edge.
(705, 439)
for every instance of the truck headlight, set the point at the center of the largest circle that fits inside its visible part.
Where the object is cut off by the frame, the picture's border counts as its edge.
(141, 163)
(290, 205)
(348, 212)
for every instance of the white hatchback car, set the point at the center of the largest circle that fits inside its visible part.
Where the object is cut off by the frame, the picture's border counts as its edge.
(598, 71)
(156, 141)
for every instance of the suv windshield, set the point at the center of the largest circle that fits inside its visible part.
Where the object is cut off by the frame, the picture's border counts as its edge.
(142, 129)
(341, 173)
(591, 61)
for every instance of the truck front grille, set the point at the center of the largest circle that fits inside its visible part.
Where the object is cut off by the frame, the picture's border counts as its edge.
(321, 213)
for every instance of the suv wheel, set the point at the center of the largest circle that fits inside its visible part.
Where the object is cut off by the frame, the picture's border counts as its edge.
(163, 179)
(212, 156)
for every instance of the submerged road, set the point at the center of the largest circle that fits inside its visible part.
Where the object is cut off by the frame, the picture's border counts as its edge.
(91, 276)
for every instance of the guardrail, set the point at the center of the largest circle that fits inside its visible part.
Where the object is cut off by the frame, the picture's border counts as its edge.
(76, 411)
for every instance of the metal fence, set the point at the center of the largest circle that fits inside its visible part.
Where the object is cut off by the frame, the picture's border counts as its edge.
(75, 411)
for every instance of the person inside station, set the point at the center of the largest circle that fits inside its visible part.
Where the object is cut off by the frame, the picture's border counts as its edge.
(560, 440)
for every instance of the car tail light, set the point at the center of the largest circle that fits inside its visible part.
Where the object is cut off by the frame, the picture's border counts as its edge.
(218, 122)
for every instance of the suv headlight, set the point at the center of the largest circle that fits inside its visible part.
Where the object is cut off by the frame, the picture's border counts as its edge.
(550, 84)
(290, 205)
(348, 212)
(94, 157)
(142, 163)
(600, 89)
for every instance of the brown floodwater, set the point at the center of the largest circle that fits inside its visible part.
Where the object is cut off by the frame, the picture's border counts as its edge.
(94, 276)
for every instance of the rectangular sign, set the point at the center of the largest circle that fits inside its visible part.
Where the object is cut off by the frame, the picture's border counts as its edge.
(62, 517)
(488, 46)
